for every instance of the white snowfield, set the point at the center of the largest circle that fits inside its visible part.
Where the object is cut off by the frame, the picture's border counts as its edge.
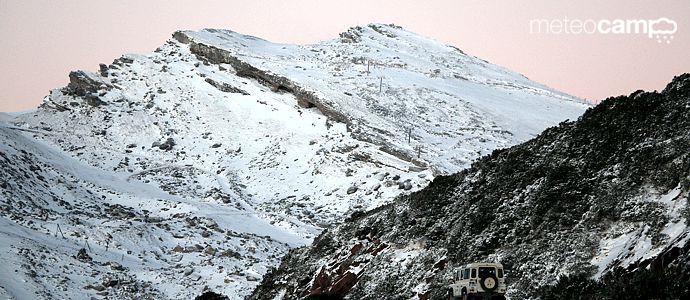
(458, 107)
(178, 176)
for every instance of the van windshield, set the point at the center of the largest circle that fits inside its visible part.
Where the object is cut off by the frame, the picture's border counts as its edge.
(486, 272)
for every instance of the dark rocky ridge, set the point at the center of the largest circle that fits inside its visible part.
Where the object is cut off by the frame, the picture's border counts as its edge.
(541, 208)
(222, 86)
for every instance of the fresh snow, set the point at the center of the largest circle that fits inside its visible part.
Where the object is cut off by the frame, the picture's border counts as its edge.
(628, 243)
(458, 106)
(250, 176)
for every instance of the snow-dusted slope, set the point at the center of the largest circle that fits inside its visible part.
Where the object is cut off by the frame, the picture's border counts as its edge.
(390, 82)
(199, 165)
(137, 235)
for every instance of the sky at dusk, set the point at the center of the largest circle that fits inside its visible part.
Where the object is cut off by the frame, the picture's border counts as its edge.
(43, 40)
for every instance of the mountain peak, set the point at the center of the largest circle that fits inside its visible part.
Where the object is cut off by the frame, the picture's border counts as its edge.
(365, 79)
(217, 153)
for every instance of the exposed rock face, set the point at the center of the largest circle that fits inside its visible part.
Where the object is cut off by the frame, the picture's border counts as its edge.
(550, 207)
(83, 84)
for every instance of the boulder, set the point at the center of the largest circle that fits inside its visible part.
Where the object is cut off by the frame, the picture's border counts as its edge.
(83, 256)
(351, 190)
(103, 69)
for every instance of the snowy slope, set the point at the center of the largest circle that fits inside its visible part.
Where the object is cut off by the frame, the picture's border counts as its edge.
(458, 107)
(55, 205)
(198, 176)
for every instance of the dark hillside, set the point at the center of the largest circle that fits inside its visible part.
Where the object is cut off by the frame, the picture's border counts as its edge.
(544, 209)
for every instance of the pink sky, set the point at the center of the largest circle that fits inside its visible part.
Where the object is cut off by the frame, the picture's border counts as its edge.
(43, 40)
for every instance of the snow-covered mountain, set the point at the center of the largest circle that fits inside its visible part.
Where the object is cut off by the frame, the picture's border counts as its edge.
(399, 90)
(198, 166)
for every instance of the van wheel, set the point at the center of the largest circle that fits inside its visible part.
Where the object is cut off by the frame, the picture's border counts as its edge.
(450, 295)
(489, 283)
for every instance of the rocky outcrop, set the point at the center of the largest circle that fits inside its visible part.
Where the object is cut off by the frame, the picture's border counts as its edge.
(181, 37)
(224, 87)
(83, 256)
(82, 83)
(383, 31)
(342, 270)
(166, 145)
(352, 35)
(209, 295)
(87, 86)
